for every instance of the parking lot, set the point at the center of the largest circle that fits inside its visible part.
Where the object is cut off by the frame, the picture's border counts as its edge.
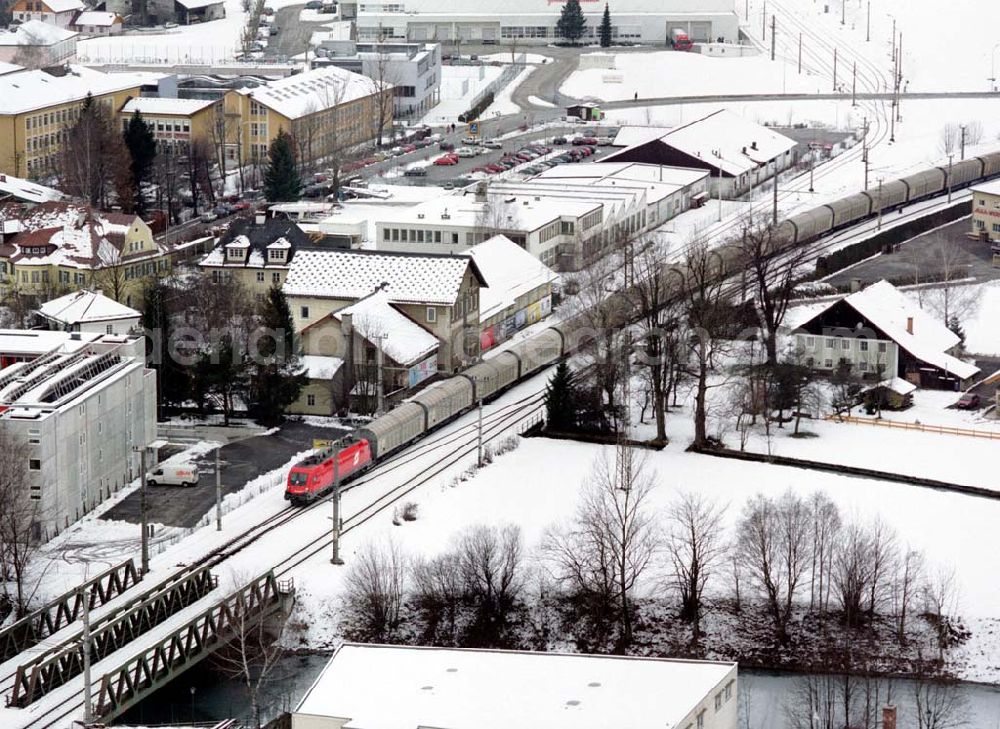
(241, 462)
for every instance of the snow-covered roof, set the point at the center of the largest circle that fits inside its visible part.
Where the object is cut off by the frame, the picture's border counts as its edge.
(82, 307)
(409, 277)
(38, 341)
(6, 68)
(280, 243)
(307, 93)
(319, 367)
(240, 241)
(156, 105)
(36, 33)
(887, 308)
(631, 136)
(493, 689)
(195, 4)
(728, 142)
(403, 340)
(29, 90)
(63, 6)
(988, 188)
(27, 190)
(611, 173)
(510, 272)
(898, 385)
(94, 17)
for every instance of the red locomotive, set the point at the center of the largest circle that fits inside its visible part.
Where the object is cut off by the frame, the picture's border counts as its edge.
(313, 476)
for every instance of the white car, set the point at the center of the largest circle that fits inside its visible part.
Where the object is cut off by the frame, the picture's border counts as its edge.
(493, 144)
(470, 140)
(466, 152)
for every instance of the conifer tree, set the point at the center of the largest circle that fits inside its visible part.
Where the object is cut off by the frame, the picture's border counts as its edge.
(276, 380)
(571, 24)
(560, 399)
(605, 30)
(281, 178)
(142, 148)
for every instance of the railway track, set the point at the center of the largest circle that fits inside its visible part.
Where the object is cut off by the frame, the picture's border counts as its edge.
(465, 437)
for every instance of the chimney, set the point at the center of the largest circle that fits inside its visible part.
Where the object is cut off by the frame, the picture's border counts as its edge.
(481, 192)
(855, 285)
(260, 217)
(909, 325)
(753, 145)
(889, 717)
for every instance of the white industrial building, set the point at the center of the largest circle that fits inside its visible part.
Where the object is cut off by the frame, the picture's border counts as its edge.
(561, 221)
(82, 403)
(534, 21)
(738, 153)
(413, 69)
(403, 687)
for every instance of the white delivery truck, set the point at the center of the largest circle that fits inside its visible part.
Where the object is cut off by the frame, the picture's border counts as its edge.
(175, 474)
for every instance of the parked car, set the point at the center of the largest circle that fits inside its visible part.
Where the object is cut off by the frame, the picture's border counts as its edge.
(605, 141)
(559, 140)
(470, 140)
(586, 151)
(407, 148)
(208, 216)
(179, 474)
(493, 144)
(465, 152)
(415, 172)
(273, 30)
(446, 146)
(968, 401)
(268, 11)
(447, 159)
(495, 168)
(585, 140)
(222, 209)
(314, 5)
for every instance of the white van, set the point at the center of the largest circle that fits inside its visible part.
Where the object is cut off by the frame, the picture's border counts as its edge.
(178, 474)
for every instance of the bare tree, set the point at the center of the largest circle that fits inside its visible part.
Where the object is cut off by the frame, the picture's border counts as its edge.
(940, 598)
(438, 592)
(938, 703)
(695, 544)
(973, 133)
(93, 154)
(490, 562)
(111, 272)
(949, 137)
(852, 572)
(710, 321)
(657, 323)
(774, 548)
(949, 299)
(381, 71)
(826, 527)
(19, 523)
(611, 541)
(253, 656)
(769, 277)
(909, 575)
(373, 591)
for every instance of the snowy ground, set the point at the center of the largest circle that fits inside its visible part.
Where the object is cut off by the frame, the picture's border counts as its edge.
(502, 103)
(459, 86)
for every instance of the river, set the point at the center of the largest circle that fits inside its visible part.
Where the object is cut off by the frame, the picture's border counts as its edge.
(767, 700)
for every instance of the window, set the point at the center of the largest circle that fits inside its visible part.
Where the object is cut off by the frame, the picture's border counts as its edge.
(729, 690)
(304, 312)
(810, 341)
(881, 347)
(275, 277)
(718, 701)
(311, 400)
(260, 277)
(828, 364)
(863, 366)
(431, 315)
(996, 227)
(701, 720)
(34, 464)
(109, 329)
(276, 254)
(863, 345)
(845, 343)
(829, 343)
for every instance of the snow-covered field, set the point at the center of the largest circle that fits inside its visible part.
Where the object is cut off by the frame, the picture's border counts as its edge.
(459, 87)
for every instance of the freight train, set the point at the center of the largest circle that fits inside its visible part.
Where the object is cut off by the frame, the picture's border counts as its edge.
(314, 476)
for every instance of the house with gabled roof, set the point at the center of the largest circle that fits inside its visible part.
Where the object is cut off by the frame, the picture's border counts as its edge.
(57, 247)
(439, 292)
(257, 254)
(379, 342)
(55, 12)
(883, 334)
(89, 311)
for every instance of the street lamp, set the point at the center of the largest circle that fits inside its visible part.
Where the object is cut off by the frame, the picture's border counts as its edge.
(993, 68)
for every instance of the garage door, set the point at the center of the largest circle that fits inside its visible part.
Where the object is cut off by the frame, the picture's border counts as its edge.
(443, 33)
(418, 33)
(490, 34)
(700, 32)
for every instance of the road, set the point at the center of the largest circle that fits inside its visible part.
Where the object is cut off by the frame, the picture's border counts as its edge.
(293, 34)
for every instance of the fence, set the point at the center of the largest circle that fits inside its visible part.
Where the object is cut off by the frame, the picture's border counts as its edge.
(942, 429)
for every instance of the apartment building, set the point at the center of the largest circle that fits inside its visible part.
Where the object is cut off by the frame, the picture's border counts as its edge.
(37, 106)
(83, 405)
(54, 12)
(176, 123)
(258, 254)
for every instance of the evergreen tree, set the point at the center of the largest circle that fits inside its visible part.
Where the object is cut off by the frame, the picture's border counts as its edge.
(171, 379)
(605, 30)
(276, 380)
(560, 399)
(571, 25)
(956, 327)
(281, 178)
(142, 147)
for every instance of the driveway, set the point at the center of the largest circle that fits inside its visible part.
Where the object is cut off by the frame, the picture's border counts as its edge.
(293, 35)
(240, 462)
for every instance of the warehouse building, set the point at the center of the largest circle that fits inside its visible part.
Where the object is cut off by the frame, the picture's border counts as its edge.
(738, 154)
(986, 213)
(533, 21)
(392, 687)
(83, 404)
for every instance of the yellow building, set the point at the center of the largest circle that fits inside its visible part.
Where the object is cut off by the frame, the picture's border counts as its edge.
(325, 110)
(55, 248)
(986, 211)
(175, 123)
(36, 108)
